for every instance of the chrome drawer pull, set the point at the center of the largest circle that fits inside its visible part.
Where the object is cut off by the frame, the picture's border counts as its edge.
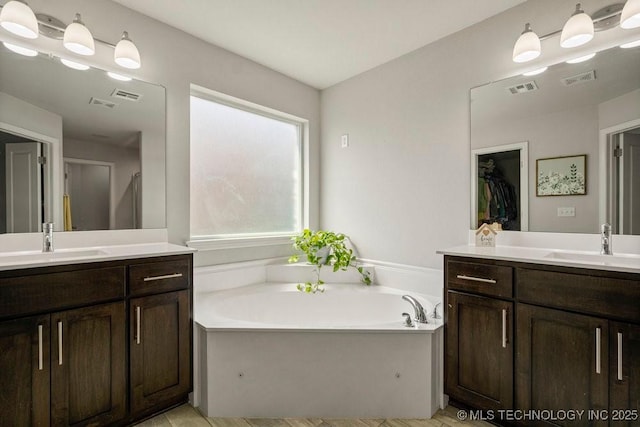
(619, 356)
(166, 276)
(475, 279)
(504, 328)
(598, 333)
(40, 357)
(59, 343)
(138, 319)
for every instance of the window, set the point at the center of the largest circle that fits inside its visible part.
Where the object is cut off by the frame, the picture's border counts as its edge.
(246, 170)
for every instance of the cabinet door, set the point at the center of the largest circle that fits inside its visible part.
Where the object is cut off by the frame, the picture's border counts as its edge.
(24, 371)
(88, 372)
(479, 359)
(160, 349)
(625, 373)
(562, 361)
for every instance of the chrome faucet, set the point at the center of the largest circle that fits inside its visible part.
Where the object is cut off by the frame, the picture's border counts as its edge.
(420, 315)
(605, 239)
(47, 237)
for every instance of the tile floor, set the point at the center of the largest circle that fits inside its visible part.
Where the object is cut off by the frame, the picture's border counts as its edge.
(187, 416)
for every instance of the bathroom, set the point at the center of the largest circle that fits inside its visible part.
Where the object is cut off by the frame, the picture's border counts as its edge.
(400, 190)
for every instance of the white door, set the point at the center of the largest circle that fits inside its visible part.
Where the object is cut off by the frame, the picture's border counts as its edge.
(24, 190)
(630, 183)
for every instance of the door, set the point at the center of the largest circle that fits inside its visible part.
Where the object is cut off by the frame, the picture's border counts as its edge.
(160, 338)
(562, 362)
(88, 372)
(479, 359)
(88, 185)
(630, 183)
(625, 373)
(23, 187)
(24, 371)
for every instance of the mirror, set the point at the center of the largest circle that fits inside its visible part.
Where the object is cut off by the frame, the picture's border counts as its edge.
(78, 148)
(575, 130)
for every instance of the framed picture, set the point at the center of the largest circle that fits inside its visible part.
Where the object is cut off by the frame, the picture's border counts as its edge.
(561, 176)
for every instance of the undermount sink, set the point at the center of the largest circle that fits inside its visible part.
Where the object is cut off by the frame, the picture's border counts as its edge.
(22, 257)
(626, 260)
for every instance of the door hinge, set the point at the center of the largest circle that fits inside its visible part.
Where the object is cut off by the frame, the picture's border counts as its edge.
(42, 160)
(617, 152)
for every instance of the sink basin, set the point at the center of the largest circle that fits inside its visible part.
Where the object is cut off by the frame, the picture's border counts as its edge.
(622, 260)
(27, 257)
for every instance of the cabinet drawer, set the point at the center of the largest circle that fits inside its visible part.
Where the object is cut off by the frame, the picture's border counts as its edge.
(603, 296)
(160, 276)
(55, 291)
(480, 278)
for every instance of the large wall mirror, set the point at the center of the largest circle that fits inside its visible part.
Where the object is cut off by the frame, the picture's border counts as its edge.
(560, 151)
(78, 148)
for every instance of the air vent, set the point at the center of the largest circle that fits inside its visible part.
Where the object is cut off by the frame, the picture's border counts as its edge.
(129, 96)
(102, 103)
(579, 78)
(523, 87)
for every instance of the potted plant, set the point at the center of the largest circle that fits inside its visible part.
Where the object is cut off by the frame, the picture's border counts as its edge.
(325, 248)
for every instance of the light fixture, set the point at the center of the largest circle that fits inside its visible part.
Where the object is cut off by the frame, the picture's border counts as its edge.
(630, 17)
(117, 76)
(75, 65)
(578, 30)
(78, 38)
(20, 50)
(18, 18)
(581, 58)
(629, 45)
(527, 46)
(126, 53)
(535, 72)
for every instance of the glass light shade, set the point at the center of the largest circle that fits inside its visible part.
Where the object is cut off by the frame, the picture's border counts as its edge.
(119, 77)
(18, 18)
(578, 30)
(527, 46)
(20, 50)
(630, 17)
(629, 45)
(535, 72)
(75, 65)
(78, 38)
(126, 53)
(581, 58)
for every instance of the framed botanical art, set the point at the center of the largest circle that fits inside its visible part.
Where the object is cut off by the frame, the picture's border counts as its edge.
(561, 176)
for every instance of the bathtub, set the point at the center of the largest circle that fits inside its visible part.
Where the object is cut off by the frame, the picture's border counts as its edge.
(270, 351)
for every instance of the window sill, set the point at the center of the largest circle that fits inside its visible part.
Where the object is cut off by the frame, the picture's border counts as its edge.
(213, 244)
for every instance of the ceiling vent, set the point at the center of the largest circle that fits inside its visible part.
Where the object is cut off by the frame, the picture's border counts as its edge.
(102, 103)
(123, 94)
(523, 87)
(580, 78)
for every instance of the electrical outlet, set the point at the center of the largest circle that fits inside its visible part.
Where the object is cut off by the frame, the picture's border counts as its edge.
(345, 140)
(570, 211)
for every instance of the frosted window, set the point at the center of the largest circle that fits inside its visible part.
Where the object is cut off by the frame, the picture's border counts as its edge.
(246, 175)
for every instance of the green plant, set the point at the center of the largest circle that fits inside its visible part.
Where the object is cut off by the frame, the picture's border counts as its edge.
(325, 248)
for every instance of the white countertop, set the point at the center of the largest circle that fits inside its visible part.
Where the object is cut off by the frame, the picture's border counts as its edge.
(629, 263)
(30, 259)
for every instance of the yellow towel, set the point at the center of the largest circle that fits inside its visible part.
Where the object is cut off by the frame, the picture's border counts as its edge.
(66, 206)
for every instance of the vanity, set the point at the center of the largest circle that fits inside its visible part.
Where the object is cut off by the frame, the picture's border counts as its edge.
(533, 329)
(105, 339)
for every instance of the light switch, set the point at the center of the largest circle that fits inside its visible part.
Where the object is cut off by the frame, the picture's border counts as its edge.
(345, 140)
(569, 211)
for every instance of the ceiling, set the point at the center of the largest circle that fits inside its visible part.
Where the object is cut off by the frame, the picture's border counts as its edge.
(320, 42)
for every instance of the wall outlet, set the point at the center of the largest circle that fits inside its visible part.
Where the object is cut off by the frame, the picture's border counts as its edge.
(345, 140)
(567, 211)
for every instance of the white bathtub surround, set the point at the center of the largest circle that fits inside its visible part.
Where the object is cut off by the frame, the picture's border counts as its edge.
(268, 350)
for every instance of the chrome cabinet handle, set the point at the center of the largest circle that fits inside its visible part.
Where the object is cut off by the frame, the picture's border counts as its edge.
(59, 342)
(619, 356)
(504, 328)
(40, 357)
(166, 276)
(475, 279)
(138, 319)
(598, 348)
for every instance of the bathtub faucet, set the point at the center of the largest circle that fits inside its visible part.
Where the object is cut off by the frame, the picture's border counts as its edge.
(420, 315)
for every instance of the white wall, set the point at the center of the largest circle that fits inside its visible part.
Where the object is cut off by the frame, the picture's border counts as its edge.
(401, 190)
(175, 60)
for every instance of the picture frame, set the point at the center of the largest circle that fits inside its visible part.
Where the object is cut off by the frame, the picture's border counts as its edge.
(561, 176)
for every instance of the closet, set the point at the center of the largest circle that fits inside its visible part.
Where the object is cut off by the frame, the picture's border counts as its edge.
(499, 189)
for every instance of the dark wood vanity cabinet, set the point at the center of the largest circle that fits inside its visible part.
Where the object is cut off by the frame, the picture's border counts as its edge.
(71, 358)
(576, 334)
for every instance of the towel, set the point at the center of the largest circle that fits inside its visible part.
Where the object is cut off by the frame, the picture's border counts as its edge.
(66, 206)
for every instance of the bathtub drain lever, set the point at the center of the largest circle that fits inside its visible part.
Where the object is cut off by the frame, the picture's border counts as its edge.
(407, 320)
